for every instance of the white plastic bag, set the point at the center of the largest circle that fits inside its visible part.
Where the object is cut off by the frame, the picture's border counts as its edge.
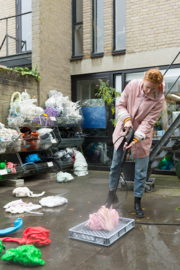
(53, 201)
(43, 131)
(25, 192)
(80, 164)
(64, 177)
(51, 102)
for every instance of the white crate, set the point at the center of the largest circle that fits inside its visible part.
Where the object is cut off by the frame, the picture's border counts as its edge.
(102, 237)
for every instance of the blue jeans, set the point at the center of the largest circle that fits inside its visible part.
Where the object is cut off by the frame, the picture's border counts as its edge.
(141, 167)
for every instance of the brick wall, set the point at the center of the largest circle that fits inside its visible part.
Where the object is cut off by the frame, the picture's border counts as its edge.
(108, 27)
(8, 8)
(152, 24)
(52, 45)
(10, 82)
(87, 28)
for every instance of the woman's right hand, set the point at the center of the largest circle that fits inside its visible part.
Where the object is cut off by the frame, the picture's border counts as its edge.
(128, 125)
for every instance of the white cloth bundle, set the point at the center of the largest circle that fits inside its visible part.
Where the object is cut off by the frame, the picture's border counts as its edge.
(64, 177)
(52, 201)
(80, 164)
(20, 207)
(25, 192)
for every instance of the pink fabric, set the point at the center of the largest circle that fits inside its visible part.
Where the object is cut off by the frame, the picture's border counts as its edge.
(144, 112)
(11, 166)
(105, 219)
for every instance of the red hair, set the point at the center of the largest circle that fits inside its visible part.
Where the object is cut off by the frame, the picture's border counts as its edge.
(155, 76)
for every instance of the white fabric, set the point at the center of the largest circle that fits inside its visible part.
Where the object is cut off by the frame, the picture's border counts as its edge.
(20, 207)
(139, 135)
(52, 201)
(80, 164)
(64, 177)
(25, 192)
(123, 115)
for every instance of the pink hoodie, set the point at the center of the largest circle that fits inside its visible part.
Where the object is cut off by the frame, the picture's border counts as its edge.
(143, 111)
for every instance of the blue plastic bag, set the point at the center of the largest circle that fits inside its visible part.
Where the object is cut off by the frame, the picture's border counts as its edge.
(32, 158)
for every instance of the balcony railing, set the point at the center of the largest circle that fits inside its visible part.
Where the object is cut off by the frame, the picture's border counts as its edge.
(7, 36)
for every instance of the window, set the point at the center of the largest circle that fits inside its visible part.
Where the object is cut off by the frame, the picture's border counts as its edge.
(77, 24)
(96, 114)
(24, 26)
(98, 26)
(119, 25)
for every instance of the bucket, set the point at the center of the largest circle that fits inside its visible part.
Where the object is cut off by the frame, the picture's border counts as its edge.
(129, 170)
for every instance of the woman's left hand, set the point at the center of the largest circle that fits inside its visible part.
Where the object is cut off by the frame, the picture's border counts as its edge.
(126, 146)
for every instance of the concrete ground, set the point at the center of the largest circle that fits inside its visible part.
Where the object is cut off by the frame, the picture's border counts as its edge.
(145, 247)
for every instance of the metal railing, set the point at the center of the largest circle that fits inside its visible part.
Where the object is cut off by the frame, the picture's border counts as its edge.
(7, 36)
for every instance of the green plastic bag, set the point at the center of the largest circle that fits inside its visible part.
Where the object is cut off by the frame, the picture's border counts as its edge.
(1, 247)
(25, 255)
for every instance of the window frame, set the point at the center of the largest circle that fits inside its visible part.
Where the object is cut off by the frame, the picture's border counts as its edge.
(74, 24)
(18, 27)
(123, 51)
(102, 75)
(93, 16)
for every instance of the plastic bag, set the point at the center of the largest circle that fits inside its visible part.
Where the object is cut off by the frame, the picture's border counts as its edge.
(80, 164)
(51, 102)
(32, 158)
(60, 153)
(15, 121)
(52, 201)
(70, 151)
(52, 93)
(29, 109)
(64, 177)
(43, 131)
(25, 192)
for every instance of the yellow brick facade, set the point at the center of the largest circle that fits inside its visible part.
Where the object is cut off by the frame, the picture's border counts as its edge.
(8, 8)
(152, 25)
(52, 45)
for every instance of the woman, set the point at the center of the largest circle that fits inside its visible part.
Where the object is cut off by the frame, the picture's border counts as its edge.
(139, 108)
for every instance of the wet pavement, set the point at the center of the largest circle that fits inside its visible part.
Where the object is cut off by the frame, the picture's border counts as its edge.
(145, 247)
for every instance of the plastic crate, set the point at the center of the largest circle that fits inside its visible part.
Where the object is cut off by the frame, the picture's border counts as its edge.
(67, 142)
(104, 238)
(69, 120)
(12, 157)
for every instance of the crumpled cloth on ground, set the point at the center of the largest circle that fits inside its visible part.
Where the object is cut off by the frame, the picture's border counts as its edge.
(80, 164)
(25, 192)
(105, 219)
(64, 177)
(24, 255)
(19, 206)
(11, 166)
(52, 201)
(2, 247)
(37, 236)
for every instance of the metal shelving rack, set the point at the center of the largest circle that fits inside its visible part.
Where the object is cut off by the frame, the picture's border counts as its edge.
(58, 142)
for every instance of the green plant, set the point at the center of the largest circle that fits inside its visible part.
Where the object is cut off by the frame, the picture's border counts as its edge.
(109, 95)
(27, 71)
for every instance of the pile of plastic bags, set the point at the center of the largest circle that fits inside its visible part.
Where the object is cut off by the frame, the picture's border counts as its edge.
(9, 137)
(63, 105)
(22, 108)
